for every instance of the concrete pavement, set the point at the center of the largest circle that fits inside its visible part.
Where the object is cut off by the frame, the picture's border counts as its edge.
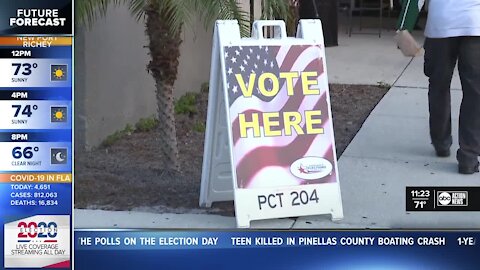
(365, 59)
(390, 152)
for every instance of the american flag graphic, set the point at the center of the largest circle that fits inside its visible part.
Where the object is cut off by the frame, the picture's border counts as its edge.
(265, 161)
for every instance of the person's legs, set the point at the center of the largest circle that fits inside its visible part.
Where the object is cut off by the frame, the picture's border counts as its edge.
(469, 128)
(440, 59)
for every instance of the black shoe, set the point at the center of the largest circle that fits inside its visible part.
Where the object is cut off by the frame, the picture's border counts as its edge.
(442, 152)
(465, 169)
(467, 164)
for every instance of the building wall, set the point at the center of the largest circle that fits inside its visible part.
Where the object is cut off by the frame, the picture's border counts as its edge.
(112, 85)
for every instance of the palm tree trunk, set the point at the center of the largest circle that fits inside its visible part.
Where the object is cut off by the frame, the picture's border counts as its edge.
(164, 51)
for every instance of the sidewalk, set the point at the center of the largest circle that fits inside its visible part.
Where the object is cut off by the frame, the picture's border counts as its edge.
(390, 152)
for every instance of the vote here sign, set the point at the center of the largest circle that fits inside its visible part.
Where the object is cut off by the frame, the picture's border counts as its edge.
(281, 124)
(269, 142)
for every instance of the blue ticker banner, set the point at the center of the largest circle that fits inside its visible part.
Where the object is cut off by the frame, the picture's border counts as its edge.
(37, 135)
(276, 249)
(39, 93)
(37, 53)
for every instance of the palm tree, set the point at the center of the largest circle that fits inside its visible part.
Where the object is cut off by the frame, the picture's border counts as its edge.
(164, 20)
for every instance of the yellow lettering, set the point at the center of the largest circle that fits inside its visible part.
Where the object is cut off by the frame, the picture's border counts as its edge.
(307, 82)
(310, 121)
(244, 125)
(292, 119)
(289, 76)
(247, 92)
(268, 123)
(275, 84)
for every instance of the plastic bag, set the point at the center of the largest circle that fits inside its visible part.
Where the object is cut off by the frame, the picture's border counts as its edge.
(407, 44)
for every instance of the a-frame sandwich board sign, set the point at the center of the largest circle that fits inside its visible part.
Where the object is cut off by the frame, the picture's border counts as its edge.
(269, 142)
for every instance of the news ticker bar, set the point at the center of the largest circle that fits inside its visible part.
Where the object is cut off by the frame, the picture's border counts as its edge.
(443, 198)
(160, 240)
(276, 249)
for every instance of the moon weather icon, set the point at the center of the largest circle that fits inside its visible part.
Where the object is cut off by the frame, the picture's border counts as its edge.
(58, 156)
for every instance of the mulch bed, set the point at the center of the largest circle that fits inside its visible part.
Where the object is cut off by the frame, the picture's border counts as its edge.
(129, 175)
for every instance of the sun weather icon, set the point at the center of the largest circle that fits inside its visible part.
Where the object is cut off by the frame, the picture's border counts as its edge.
(58, 114)
(58, 73)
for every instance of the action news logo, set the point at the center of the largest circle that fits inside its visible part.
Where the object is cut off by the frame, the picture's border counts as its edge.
(452, 198)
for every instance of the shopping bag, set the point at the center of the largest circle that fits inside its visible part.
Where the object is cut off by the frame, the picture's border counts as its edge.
(409, 14)
(407, 44)
(406, 22)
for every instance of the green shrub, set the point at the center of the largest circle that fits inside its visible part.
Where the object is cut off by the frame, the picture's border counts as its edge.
(129, 129)
(199, 127)
(117, 136)
(112, 139)
(146, 124)
(186, 104)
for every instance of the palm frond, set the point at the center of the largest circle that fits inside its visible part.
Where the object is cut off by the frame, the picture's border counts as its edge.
(232, 10)
(177, 12)
(180, 12)
(275, 9)
(211, 10)
(87, 11)
(137, 8)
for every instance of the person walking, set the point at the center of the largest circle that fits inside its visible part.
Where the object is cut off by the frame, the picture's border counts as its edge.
(453, 35)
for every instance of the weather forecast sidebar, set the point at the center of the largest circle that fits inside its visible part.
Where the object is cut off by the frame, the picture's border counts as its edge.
(36, 132)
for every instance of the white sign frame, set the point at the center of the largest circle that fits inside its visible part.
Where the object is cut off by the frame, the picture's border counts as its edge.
(218, 172)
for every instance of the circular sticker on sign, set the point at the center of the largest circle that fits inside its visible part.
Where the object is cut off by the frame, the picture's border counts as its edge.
(310, 168)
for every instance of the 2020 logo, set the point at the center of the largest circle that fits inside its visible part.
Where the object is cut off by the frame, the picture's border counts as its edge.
(38, 230)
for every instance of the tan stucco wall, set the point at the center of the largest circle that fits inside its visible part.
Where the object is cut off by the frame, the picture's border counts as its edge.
(112, 85)
(117, 88)
(194, 66)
